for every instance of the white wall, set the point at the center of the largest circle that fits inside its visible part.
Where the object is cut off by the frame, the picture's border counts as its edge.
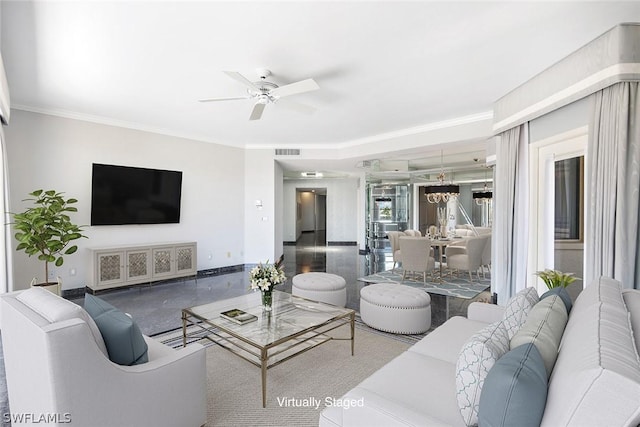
(260, 223)
(57, 153)
(342, 208)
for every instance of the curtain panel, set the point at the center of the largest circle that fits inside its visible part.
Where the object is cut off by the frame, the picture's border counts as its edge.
(613, 159)
(511, 213)
(6, 276)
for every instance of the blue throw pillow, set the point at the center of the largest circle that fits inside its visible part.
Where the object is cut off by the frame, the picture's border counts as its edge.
(515, 390)
(563, 294)
(122, 337)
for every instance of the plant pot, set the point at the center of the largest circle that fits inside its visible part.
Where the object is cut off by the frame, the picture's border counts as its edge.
(53, 287)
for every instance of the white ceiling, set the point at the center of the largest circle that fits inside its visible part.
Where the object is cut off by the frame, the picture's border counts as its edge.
(382, 67)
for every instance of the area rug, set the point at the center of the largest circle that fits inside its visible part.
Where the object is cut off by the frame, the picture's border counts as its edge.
(298, 389)
(452, 287)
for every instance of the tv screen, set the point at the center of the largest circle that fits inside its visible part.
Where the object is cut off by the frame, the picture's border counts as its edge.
(127, 195)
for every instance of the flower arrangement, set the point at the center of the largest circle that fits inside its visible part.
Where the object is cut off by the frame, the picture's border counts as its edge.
(265, 276)
(555, 278)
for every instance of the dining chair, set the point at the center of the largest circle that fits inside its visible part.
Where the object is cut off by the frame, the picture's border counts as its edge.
(395, 247)
(468, 257)
(416, 256)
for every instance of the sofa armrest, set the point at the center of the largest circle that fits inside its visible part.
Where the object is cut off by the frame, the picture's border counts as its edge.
(483, 312)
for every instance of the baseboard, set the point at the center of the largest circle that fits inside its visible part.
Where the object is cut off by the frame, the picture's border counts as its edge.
(342, 243)
(74, 293)
(221, 270)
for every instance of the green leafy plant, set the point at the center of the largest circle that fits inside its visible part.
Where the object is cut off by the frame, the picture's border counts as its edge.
(555, 278)
(46, 229)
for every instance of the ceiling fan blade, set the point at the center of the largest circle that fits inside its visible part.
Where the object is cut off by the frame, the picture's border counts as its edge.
(242, 79)
(222, 99)
(257, 111)
(291, 89)
(296, 106)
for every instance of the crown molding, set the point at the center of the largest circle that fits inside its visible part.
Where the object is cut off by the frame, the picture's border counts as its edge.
(117, 123)
(429, 127)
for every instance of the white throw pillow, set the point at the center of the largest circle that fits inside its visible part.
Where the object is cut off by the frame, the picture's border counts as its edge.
(476, 358)
(517, 309)
(544, 328)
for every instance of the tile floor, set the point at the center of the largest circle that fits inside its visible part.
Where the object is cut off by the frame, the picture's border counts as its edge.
(157, 308)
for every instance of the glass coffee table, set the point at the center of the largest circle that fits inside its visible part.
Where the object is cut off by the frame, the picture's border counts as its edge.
(294, 326)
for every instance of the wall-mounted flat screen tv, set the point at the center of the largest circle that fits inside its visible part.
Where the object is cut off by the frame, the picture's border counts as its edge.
(129, 195)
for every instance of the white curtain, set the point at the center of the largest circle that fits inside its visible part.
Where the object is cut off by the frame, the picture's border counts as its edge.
(6, 272)
(613, 156)
(6, 275)
(511, 213)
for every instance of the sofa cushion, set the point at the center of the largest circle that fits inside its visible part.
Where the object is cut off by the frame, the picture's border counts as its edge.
(517, 309)
(562, 293)
(544, 327)
(124, 341)
(515, 391)
(54, 308)
(412, 389)
(446, 341)
(598, 365)
(477, 357)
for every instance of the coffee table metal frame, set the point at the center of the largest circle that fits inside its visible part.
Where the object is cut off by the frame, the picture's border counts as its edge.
(249, 342)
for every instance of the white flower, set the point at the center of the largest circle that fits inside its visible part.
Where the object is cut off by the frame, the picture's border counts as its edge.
(266, 276)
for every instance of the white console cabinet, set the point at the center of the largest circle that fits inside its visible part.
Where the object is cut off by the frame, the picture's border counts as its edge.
(116, 266)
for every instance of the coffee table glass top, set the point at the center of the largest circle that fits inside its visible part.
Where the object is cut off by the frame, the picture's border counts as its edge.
(290, 315)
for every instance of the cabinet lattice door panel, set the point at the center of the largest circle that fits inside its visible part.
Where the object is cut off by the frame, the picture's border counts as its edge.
(186, 259)
(110, 268)
(163, 262)
(139, 264)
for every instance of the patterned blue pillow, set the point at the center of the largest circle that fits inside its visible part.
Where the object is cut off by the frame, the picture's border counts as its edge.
(476, 359)
(515, 390)
(124, 341)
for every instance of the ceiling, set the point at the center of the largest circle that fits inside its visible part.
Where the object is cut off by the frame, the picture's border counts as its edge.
(382, 67)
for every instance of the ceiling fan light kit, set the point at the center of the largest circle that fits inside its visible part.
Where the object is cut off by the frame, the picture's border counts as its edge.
(264, 93)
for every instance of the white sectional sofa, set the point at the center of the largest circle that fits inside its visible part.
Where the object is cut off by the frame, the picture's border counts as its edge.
(595, 380)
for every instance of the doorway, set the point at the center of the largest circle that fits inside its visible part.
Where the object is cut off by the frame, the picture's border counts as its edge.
(311, 215)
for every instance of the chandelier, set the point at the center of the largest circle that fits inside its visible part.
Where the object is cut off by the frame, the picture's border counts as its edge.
(441, 192)
(482, 197)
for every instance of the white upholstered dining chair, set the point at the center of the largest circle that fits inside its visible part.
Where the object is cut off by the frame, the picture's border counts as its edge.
(467, 258)
(416, 256)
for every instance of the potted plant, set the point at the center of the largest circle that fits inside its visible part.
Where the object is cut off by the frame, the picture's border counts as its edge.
(555, 278)
(46, 229)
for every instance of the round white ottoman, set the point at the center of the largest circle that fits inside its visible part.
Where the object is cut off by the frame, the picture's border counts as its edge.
(323, 287)
(395, 308)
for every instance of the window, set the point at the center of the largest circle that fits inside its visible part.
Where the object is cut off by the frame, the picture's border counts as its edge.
(569, 179)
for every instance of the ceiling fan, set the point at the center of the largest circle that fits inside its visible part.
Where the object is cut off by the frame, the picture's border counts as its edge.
(263, 92)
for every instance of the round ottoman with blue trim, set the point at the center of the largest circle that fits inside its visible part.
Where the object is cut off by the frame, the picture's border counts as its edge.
(395, 308)
(323, 287)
